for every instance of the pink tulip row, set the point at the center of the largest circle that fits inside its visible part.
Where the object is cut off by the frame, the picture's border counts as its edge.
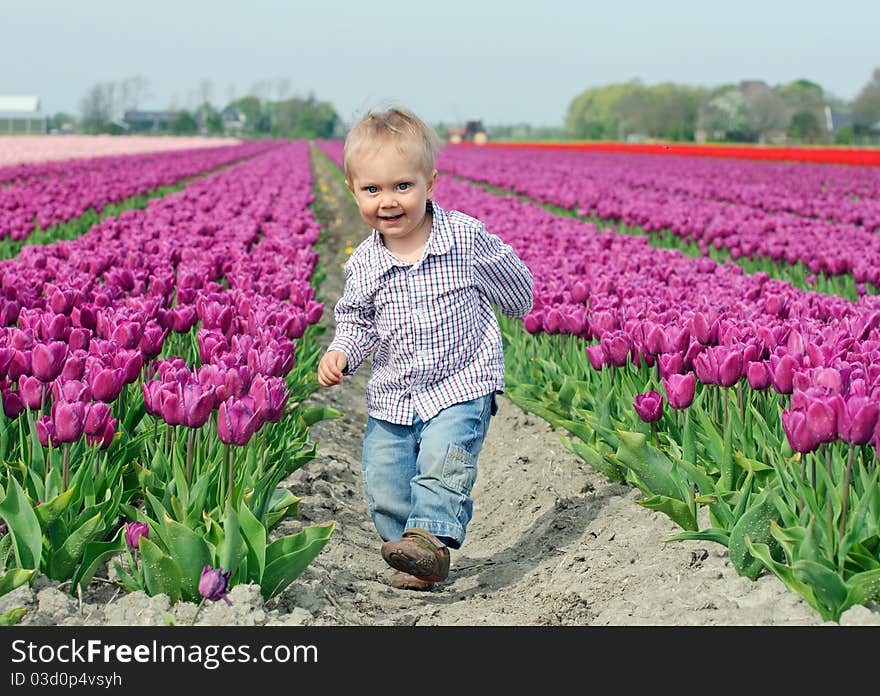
(752, 209)
(23, 149)
(67, 191)
(82, 318)
(690, 317)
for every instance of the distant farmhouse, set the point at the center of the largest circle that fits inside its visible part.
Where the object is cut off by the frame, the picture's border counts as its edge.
(22, 116)
(146, 121)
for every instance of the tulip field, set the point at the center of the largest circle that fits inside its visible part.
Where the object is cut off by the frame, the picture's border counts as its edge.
(706, 330)
(743, 407)
(151, 367)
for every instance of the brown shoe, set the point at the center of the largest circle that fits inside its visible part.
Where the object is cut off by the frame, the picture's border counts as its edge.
(404, 581)
(418, 553)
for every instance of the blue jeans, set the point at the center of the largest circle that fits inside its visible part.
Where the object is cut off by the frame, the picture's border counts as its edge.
(421, 475)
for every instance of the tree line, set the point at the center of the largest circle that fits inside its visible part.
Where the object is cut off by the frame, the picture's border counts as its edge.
(116, 107)
(751, 111)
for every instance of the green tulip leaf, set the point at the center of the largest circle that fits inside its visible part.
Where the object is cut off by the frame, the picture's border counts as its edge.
(161, 573)
(15, 578)
(592, 457)
(716, 534)
(288, 556)
(63, 562)
(24, 527)
(233, 549)
(12, 617)
(191, 554)
(787, 576)
(826, 584)
(650, 464)
(94, 554)
(754, 524)
(50, 511)
(863, 588)
(679, 512)
(255, 537)
(315, 414)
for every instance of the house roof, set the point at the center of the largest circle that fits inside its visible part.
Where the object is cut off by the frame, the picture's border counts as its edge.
(20, 104)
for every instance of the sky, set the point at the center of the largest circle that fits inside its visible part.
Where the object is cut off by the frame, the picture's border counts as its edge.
(506, 62)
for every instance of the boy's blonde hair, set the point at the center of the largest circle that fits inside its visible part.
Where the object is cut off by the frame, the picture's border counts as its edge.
(395, 124)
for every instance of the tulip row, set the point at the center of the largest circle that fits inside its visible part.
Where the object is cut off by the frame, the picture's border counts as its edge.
(47, 199)
(23, 154)
(216, 274)
(700, 332)
(683, 199)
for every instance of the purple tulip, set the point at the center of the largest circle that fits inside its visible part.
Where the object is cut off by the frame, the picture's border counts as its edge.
(71, 390)
(800, 437)
(213, 584)
(856, 419)
(656, 340)
(13, 406)
(171, 404)
(152, 340)
(758, 374)
(130, 362)
(314, 310)
(184, 317)
(596, 356)
(32, 392)
(106, 384)
(706, 367)
(781, 373)
(270, 396)
(19, 365)
(616, 348)
(670, 364)
(105, 438)
(46, 432)
(79, 339)
(237, 420)
(133, 533)
(97, 415)
(822, 417)
(69, 419)
(730, 368)
(649, 406)
(680, 389)
(533, 322)
(198, 404)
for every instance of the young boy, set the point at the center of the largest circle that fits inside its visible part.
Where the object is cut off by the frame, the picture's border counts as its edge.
(419, 290)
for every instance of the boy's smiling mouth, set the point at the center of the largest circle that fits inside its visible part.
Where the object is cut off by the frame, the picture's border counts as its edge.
(391, 217)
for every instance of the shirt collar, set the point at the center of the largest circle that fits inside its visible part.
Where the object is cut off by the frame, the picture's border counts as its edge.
(439, 241)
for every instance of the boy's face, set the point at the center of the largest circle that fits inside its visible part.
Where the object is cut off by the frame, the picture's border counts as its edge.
(391, 188)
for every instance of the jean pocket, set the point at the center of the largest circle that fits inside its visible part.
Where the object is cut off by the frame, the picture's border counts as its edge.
(459, 469)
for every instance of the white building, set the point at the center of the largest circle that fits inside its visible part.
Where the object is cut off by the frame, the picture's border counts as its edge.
(22, 115)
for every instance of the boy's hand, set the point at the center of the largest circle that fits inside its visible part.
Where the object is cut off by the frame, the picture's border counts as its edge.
(330, 368)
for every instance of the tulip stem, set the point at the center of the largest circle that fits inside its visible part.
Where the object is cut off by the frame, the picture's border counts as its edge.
(66, 468)
(198, 609)
(189, 452)
(230, 474)
(845, 503)
(741, 401)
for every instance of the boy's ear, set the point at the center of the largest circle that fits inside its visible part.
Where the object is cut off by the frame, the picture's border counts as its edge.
(349, 186)
(432, 180)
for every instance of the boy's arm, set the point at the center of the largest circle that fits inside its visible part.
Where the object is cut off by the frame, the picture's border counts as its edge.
(355, 332)
(501, 276)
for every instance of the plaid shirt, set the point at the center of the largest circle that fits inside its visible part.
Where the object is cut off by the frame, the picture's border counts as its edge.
(432, 325)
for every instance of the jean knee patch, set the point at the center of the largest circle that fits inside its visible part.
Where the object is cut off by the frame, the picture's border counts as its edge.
(459, 469)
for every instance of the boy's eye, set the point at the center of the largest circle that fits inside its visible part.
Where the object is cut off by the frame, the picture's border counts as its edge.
(403, 186)
(371, 189)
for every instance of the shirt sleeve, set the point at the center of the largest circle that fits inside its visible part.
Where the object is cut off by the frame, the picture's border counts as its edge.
(501, 276)
(355, 329)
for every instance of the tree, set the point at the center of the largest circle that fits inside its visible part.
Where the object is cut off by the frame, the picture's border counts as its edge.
(726, 115)
(96, 108)
(183, 123)
(805, 127)
(866, 107)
